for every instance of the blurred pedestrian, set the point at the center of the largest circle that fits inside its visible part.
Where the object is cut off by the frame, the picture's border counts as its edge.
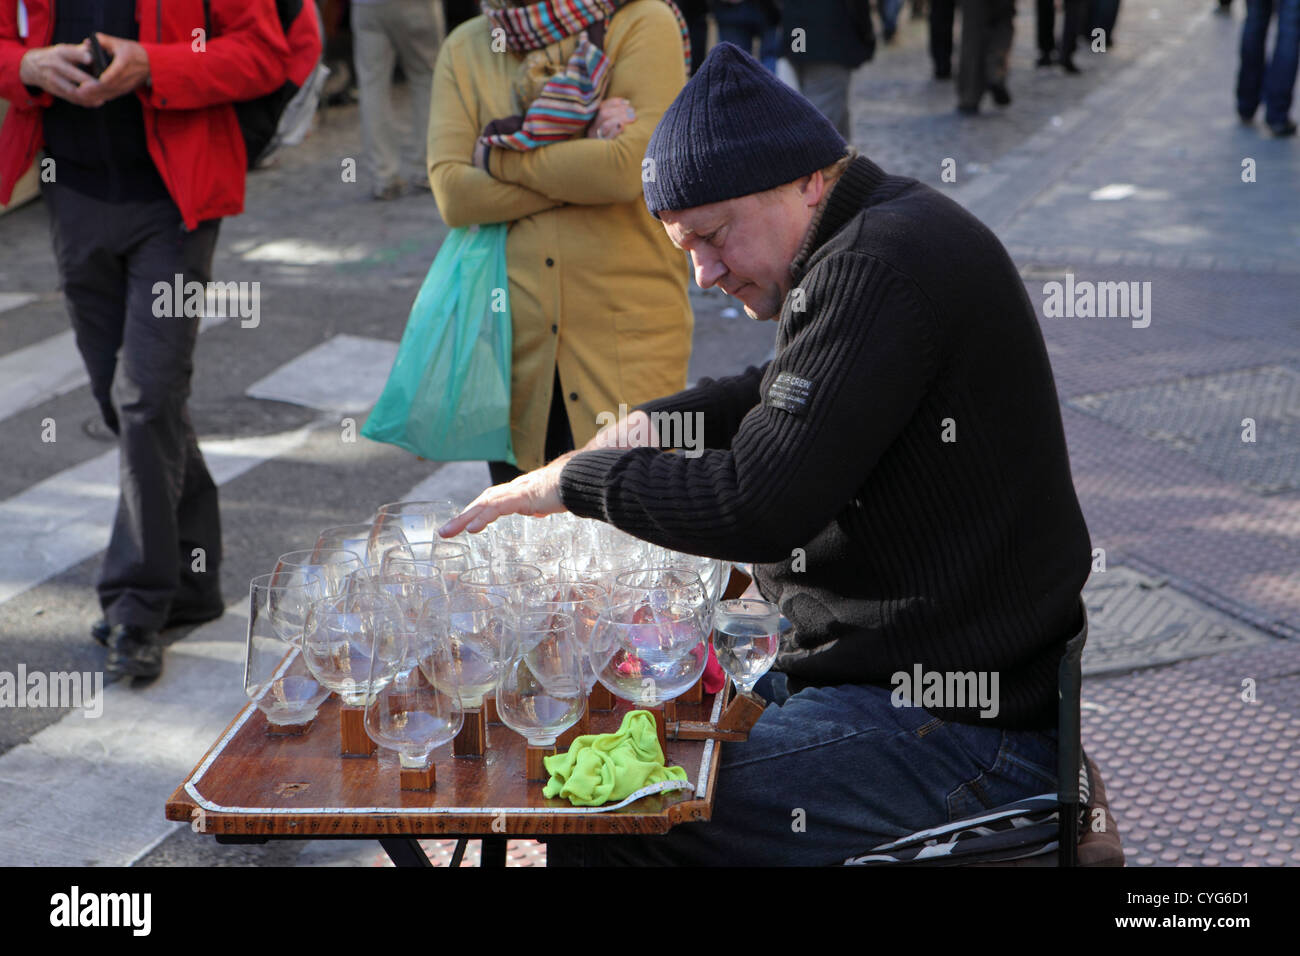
(743, 21)
(986, 31)
(1102, 15)
(144, 161)
(598, 294)
(388, 32)
(1045, 15)
(941, 17)
(888, 10)
(838, 38)
(696, 15)
(1273, 82)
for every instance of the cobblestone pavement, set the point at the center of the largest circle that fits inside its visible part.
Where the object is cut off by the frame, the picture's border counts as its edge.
(1130, 172)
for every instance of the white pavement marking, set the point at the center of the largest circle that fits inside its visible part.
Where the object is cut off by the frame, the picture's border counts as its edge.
(47, 369)
(90, 791)
(461, 481)
(344, 374)
(65, 519)
(12, 300)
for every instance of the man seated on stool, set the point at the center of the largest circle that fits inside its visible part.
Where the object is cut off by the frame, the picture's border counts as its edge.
(897, 473)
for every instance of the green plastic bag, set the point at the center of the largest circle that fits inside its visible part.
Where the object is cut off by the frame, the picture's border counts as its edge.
(448, 395)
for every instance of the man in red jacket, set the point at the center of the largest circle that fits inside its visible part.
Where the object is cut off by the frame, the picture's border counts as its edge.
(140, 165)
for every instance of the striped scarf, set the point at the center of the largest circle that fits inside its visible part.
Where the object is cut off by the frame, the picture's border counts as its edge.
(570, 99)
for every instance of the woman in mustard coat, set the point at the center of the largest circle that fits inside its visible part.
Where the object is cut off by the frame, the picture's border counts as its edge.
(598, 293)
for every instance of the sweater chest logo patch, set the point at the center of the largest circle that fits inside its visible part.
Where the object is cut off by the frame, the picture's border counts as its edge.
(790, 393)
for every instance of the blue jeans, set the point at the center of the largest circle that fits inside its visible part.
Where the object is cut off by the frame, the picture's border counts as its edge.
(831, 772)
(1273, 82)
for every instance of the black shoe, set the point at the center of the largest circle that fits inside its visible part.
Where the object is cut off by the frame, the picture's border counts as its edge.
(1068, 66)
(183, 616)
(943, 73)
(133, 651)
(1045, 59)
(1247, 119)
(968, 110)
(1001, 95)
(1282, 129)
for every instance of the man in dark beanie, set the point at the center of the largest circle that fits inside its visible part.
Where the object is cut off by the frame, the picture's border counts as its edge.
(897, 474)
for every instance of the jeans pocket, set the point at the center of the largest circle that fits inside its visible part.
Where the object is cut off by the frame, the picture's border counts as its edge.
(1019, 771)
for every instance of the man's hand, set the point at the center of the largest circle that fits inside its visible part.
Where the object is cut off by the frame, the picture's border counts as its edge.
(129, 69)
(633, 431)
(614, 113)
(55, 69)
(536, 493)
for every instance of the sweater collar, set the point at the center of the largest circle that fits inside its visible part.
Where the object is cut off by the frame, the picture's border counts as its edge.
(855, 190)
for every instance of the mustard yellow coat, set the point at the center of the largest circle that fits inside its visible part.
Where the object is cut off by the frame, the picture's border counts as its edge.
(597, 290)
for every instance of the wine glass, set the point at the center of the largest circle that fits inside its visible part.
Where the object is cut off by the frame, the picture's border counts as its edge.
(365, 540)
(475, 624)
(410, 581)
(405, 711)
(659, 587)
(746, 637)
(649, 655)
(583, 601)
(506, 578)
(539, 693)
(418, 521)
(276, 677)
(597, 567)
(331, 565)
(340, 636)
(451, 558)
(284, 597)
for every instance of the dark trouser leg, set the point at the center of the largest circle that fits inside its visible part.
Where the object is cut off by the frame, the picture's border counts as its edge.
(971, 81)
(997, 50)
(1250, 75)
(110, 257)
(169, 500)
(1045, 20)
(1279, 82)
(93, 280)
(559, 437)
(941, 15)
(1075, 11)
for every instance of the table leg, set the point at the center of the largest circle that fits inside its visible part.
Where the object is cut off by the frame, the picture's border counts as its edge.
(492, 852)
(404, 851)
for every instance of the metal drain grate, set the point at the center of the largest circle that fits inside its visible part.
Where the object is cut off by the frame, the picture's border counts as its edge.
(1203, 417)
(1137, 621)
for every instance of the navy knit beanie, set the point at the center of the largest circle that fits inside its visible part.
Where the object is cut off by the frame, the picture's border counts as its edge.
(734, 129)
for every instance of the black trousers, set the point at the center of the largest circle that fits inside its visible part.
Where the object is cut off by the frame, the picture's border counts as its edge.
(110, 255)
(1075, 15)
(559, 437)
(941, 16)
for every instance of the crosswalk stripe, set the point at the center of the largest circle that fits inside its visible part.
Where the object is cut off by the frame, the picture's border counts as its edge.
(65, 519)
(47, 369)
(90, 791)
(12, 300)
(345, 373)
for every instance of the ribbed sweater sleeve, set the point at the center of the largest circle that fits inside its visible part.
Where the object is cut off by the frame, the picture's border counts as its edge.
(864, 345)
(721, 402)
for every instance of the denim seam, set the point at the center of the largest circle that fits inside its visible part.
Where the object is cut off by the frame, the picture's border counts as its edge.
(816, 746)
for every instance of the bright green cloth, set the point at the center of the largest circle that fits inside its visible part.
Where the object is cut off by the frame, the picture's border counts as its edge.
(599, 768)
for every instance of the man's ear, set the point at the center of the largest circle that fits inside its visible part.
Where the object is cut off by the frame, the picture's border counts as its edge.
(811, 187)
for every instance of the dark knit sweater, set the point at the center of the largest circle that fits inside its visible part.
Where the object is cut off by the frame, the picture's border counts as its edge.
(885, 545)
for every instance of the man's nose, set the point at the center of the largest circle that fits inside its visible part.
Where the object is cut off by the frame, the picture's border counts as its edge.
(708, 269)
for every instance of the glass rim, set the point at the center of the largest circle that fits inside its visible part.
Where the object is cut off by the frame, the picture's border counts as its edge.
(309, 552)
(391, 507)
(263, 581)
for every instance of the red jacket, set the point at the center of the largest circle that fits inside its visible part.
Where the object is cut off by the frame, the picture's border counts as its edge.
(189, 121)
